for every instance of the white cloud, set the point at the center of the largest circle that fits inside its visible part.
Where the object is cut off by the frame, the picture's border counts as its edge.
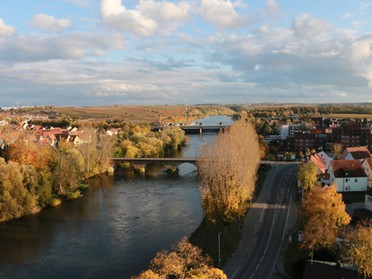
(72, 46)
(273, 8)
(361, 58)
(49, 23)
(164, 11)
(6, 30)
(222, 13)
(307, 27)
(116, 15)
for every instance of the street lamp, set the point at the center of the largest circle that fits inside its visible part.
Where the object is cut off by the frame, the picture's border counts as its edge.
(219, 249)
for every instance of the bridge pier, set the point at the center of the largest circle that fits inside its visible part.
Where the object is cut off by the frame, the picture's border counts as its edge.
(139, 168)
(171, 168)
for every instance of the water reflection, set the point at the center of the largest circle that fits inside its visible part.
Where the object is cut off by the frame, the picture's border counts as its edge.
(112, 232)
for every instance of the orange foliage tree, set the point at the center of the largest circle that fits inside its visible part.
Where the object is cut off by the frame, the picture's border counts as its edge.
(323, 213)
(185, 261)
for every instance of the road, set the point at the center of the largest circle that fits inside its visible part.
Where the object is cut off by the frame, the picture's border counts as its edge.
(266, 227)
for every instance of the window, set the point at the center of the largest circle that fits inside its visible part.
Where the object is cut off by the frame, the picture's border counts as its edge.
(356, 179)
(347, 179)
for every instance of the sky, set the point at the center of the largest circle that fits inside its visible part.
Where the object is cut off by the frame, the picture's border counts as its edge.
(143, 52)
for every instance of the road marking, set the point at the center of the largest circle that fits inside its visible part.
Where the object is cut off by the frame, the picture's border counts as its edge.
(251, 276)
(257, 266)
(262, 213)
(289, 208)
(236, 271)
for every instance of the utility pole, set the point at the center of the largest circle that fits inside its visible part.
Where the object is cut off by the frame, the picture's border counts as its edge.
(219, 249)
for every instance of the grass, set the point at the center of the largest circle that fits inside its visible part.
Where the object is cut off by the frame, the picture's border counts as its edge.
(349, 115)
(295, 259)
(206, 237)
(353, 197)
(138, 114)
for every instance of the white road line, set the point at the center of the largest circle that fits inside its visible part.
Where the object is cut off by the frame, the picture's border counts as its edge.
(262, 213)
(289, 209)
(257, 267)
(251, 276)
(236, 271)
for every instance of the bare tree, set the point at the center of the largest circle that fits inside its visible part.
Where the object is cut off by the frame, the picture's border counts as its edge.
(228, 172)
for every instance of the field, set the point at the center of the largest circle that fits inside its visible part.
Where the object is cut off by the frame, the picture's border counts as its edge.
(138, 114)
(348, 115)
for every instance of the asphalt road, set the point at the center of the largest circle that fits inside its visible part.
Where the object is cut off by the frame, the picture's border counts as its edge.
(266, 227)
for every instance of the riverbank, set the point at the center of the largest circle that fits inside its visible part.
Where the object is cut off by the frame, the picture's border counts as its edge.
(207, 236)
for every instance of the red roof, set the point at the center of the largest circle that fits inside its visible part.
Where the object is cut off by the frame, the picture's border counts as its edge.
(348, 168)
(359, 152)
(319, 162)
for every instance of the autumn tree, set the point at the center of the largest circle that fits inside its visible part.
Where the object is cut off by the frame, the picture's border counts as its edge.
(228, 172)
(360, 247)
(307, 176)
(323, 213)
(337, 150)
(15, 199)
(184, 261)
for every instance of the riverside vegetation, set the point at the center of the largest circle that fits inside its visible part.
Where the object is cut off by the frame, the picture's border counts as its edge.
(34, 175)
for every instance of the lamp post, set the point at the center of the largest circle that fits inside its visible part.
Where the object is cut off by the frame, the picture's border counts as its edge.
(219, 249)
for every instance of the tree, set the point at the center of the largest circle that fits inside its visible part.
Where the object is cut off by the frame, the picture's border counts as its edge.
(15, 199)
(360, 247)
(307, 176)
(337, 150)
(323, 213)
(228, 172)
(184, 261)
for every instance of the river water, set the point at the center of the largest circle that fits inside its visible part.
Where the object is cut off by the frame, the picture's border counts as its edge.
(114, 230)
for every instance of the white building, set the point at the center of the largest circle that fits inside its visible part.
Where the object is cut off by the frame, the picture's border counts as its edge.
(367, 166)
(348, 175)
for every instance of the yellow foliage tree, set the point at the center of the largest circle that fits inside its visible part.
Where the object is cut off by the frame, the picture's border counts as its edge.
(307, 175)
(185, 261)
(323, 213)
(228, 172)
(360, 247)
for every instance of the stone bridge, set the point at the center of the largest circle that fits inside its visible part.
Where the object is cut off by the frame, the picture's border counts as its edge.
(171, 164)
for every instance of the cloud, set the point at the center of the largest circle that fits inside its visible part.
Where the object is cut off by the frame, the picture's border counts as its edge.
(273, 8)
(6, 30)
(361, 58)
(117, 16)
(49, 23)
(164, 11)
(307, 27)
(71, 46)
(222, 13)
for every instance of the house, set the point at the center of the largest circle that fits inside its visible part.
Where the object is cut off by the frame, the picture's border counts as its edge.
(356, 153)
(348, 175)
(367, 166)
(326, 158)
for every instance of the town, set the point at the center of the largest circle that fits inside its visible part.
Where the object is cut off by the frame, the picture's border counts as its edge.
(330, 150)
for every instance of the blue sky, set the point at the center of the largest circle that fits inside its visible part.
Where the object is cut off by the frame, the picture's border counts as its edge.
(102, 52)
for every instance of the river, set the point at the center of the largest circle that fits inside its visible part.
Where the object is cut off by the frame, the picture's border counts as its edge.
(114, 230)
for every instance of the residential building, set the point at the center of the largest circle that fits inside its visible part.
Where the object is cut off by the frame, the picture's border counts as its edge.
(348, 175)
(356, 153)
(367, 166)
